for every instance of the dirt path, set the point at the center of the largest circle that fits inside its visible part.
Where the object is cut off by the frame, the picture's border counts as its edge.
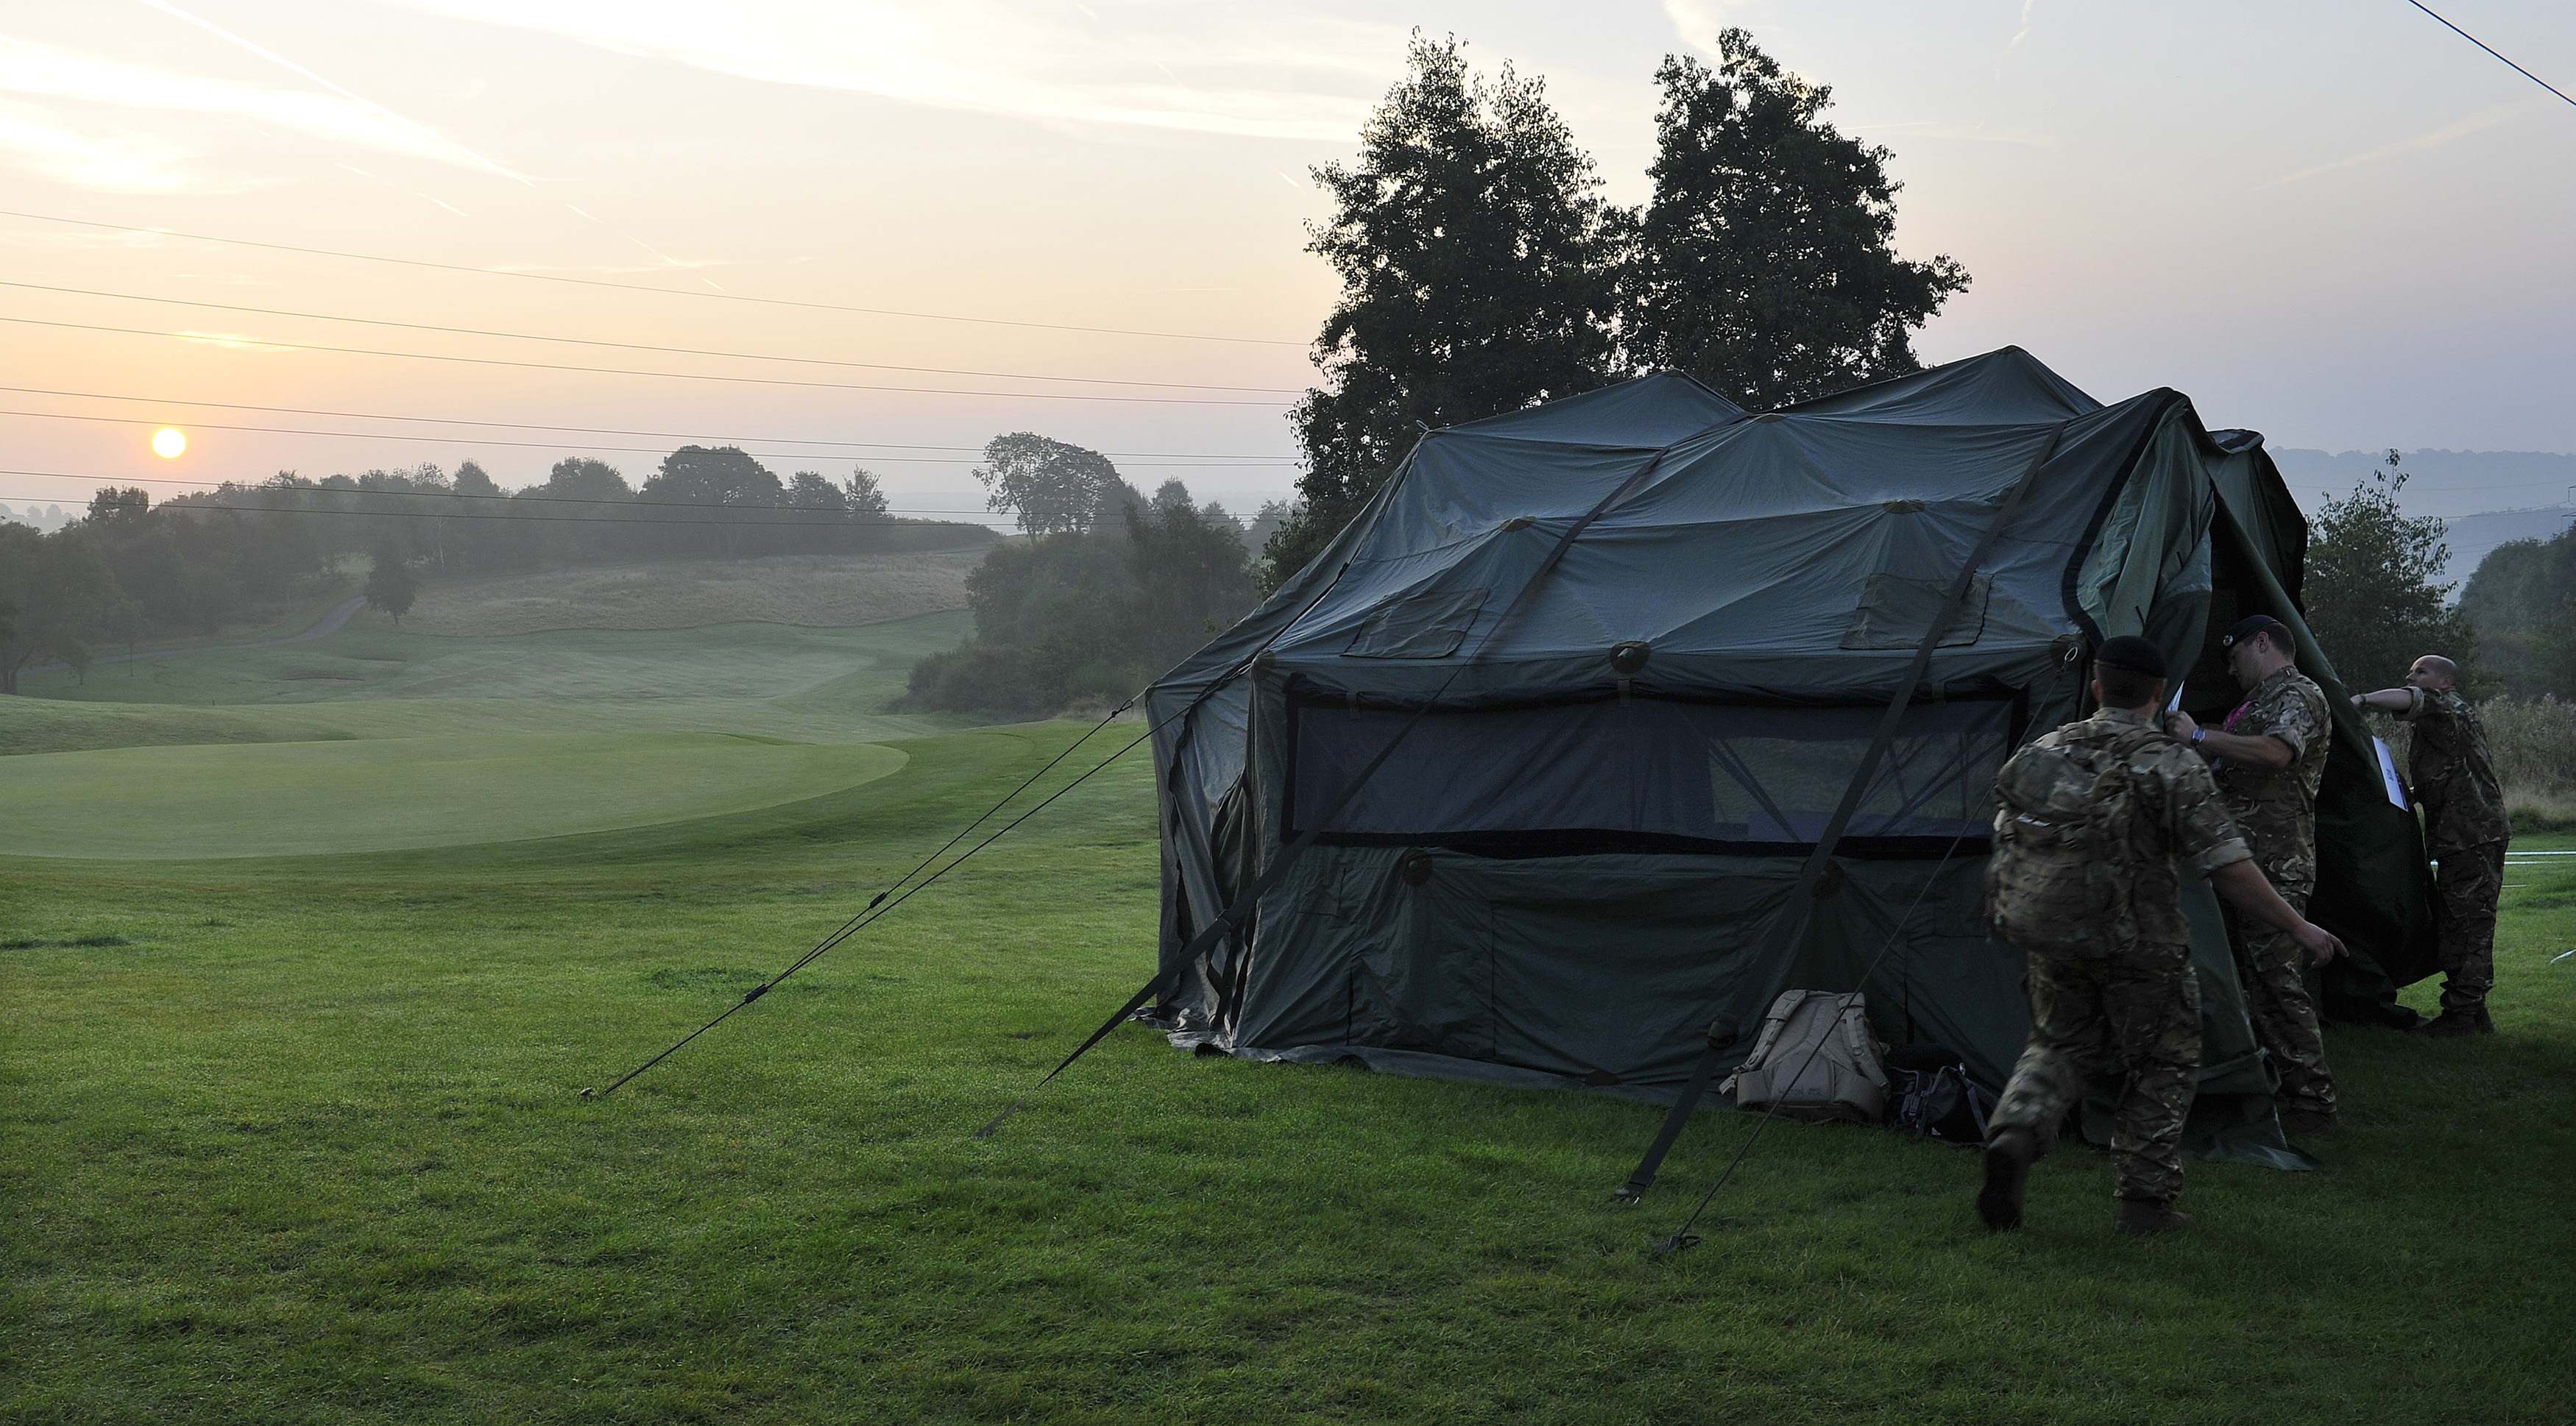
(324, 627)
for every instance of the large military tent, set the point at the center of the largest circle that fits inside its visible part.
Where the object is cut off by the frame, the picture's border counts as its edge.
(1534, 774)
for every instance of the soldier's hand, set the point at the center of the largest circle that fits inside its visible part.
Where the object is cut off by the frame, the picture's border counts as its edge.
(2180, 725)
(2319, 941)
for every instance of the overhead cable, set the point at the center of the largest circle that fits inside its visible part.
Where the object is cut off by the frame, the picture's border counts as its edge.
(436, 439)
(634, 346)
(869, 914)
(2490, 49)
(654, 291)
(590, 430)
(223, 339)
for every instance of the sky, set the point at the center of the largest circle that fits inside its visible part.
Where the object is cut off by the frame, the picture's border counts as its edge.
(2336, 223)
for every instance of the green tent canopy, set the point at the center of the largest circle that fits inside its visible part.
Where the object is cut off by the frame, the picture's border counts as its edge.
(1614, 754)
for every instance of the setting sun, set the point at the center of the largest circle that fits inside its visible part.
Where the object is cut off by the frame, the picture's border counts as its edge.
(169, 442)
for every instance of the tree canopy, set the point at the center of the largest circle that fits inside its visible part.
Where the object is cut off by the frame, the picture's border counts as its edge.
(1765, 263)
(1481, 270)
(1048, 486)
(1091, 615)
(2522, 601)
(390, 585)
(2370, 597)
(1475, 255)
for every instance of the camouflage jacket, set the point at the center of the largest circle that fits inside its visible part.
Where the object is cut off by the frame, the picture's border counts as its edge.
(2455, 783)
(2277, 809)
(2178, 823)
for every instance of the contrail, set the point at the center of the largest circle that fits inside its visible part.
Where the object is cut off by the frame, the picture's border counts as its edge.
(398, 188)
(666, 259)
(492, 165)
(273, 57)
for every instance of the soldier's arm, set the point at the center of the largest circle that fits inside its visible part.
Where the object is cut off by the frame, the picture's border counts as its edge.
(2245, 888)
(2400, 701)
(2260, 749)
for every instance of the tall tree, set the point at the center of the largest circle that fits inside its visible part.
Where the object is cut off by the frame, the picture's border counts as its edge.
(110, 505)
(1473, 250)
(58, 589)
(2522, 602)
(1048, 486)
(822, 509)
(1765, 263)
(716, 475)
(864, 496)
(472, 480)
(2370, 596)
(581, 478)
(390, 585)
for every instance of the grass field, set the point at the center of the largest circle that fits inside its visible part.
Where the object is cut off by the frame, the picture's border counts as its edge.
(298, 1138)
(808, 590)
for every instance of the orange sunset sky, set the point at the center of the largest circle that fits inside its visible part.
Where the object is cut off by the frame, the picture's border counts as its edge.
(2336, 223)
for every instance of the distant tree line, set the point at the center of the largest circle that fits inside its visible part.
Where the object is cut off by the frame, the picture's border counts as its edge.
(1110, 588)
(130, 569)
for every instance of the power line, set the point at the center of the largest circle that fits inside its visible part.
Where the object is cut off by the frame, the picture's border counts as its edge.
(782, 456)
(2490, 49)
(634, 346)
(654, 291)
(632, 371)
(595, 430)
(382, 492)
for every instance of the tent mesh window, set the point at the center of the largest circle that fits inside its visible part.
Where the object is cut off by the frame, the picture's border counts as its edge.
(1650, 772)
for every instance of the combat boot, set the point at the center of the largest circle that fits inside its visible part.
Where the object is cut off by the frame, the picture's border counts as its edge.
(2308, 1123)
(2009, 1155)
(2458, 1022)
(2144, 1217)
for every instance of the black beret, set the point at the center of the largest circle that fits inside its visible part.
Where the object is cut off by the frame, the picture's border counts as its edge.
(2253, 624)
(2130, 652)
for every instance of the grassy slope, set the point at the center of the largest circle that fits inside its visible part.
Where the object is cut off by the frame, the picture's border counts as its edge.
(810, 590)
(297, 1140)
(369, 680)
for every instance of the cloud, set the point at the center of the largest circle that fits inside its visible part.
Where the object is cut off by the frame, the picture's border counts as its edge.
(1699, 22)
(437, 141)
(130, 163)
(1260, 74)
(2484, 119)
(1937, 129)
(2019, 35)
(40, 71)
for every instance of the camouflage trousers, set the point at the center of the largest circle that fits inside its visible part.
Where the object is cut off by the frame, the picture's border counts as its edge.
(2464, 917)
(2111, 1020)
(2273, 971)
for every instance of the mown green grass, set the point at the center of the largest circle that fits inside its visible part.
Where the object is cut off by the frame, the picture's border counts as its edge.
(372, 681)
(299, 1139)
(288, 799)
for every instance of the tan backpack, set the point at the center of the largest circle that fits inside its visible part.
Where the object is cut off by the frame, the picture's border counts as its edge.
(1816, 1059)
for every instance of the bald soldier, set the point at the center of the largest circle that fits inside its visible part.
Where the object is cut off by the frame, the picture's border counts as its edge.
(2464, 830)
(2269, 757)
(2096, 824)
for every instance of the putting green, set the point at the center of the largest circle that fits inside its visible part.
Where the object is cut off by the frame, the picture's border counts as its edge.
(379, 794)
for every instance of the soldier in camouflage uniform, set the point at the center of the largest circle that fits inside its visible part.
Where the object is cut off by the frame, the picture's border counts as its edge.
(2132, 1011)
(2464, 830)
(2269, 757)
